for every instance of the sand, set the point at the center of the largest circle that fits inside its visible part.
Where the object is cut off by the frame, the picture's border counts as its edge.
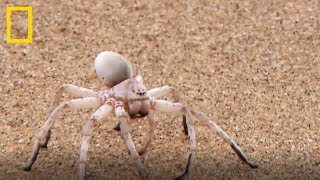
(252, 66)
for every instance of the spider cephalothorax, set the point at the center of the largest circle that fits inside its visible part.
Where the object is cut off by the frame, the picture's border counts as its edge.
(133, 94)
(129, 99)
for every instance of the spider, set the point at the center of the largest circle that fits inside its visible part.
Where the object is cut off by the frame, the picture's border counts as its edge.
(129, 99)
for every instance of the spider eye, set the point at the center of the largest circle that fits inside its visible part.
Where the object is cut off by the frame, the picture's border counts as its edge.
(139, 92)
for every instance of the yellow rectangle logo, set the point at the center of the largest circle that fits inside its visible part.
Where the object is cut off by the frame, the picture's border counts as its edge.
(29, 37)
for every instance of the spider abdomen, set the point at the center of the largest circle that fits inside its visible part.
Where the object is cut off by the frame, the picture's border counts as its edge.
(112, 68)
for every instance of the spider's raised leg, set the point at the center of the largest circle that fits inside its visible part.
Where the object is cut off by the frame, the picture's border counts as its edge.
(98, 116)
(125, 131)
(215, 128)
(150, 135)
(73, 90)
(42, 137)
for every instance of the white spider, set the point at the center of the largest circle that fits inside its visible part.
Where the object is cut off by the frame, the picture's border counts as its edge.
(129, 99)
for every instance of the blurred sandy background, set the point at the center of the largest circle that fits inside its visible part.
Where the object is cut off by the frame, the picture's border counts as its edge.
(252, 66)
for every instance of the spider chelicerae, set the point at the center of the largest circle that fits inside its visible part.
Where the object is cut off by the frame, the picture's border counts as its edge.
(129, 99)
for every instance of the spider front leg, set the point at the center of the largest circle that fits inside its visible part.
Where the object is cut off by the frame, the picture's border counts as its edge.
(42, 137)
(192, 144)
(166, 106)
(73, 90)
(150, 134)
(163, 91)
(169, 107)
(166, 90)
(158, 93)
(149, 137)
(98, 116)
(215, 128)
(125, 131)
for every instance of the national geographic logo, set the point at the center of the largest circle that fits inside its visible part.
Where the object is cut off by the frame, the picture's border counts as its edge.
(9, 11)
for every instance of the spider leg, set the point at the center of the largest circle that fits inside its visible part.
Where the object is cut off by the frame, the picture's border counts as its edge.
(169, 107)
(98, 116)
(75, 91)
(192, 145)
(72, 89)
(150, 135)
(44, 144)
(215, 128)
(163, 91)
(125, 131)
(166, 106)
(42, 137)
